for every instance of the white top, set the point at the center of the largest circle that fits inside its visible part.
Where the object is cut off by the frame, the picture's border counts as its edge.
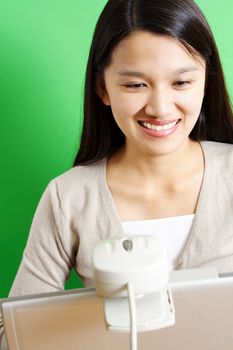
(172, 231)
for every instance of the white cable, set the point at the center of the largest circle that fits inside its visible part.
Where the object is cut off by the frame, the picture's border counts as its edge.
(133, 317)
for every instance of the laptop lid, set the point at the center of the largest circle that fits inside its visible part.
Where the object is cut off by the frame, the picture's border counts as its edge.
(75, 320)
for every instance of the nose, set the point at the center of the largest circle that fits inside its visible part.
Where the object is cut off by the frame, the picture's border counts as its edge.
(159, 103)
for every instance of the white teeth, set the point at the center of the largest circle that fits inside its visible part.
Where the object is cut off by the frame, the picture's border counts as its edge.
(159, 127)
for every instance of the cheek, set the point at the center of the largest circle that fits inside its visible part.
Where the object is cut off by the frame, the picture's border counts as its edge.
(125, 105)
(191, 103)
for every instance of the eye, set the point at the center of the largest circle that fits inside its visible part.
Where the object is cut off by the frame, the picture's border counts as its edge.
(135, 85)
(182, 83)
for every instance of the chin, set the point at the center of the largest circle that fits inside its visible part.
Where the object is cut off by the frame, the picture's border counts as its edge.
(167, 148)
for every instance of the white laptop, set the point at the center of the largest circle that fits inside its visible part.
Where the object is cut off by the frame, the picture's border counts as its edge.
(74, 320)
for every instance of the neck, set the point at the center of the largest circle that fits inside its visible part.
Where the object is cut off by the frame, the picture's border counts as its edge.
(166, 168)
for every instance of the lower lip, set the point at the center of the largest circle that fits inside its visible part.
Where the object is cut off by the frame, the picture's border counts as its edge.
(161, 133)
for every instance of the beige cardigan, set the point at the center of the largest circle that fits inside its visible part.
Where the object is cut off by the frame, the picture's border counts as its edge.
(77, 210)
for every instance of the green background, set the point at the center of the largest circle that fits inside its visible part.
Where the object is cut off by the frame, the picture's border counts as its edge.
(43, 51)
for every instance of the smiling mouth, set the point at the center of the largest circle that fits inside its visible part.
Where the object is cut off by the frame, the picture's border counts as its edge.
(160, 127)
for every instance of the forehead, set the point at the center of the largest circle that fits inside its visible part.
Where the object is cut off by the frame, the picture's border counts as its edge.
(142, 50)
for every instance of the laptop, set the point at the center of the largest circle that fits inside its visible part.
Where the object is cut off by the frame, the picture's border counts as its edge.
(74, 319)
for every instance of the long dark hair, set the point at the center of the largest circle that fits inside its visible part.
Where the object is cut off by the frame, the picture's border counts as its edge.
(181, 19)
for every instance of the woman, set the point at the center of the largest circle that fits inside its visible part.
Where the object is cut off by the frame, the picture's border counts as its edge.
(155, 97)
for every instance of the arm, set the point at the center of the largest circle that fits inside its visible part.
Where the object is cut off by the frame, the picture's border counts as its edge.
(50, 250)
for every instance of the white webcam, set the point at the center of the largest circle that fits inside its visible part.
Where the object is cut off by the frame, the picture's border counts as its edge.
(142, 262)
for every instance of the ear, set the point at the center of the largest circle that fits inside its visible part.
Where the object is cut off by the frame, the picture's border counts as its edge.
(101, 91)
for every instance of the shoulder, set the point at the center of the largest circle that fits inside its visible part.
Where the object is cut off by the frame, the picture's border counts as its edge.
(76, 184)
(82, 174)
(216, 152)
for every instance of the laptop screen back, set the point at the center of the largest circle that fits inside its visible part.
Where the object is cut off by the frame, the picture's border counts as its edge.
(75, 320)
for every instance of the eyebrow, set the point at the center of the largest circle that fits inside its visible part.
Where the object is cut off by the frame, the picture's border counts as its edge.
(130, 73)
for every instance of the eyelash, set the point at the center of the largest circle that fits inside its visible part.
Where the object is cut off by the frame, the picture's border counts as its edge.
(179, 84)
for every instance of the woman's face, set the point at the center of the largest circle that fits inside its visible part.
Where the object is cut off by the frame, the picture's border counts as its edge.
(155, 88)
